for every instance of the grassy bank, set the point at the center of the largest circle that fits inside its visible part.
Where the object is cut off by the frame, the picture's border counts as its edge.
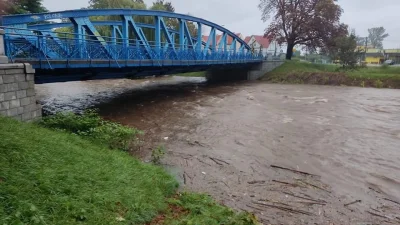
(49, 176)
(295, 72)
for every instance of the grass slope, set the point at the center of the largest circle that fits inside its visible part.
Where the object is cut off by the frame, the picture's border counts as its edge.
(50, 177)
(327, 74)
(53, 177)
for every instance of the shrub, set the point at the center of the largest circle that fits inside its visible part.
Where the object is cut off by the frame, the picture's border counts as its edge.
(378, 84)
(92, 126)
(385, 66)
(157, 154)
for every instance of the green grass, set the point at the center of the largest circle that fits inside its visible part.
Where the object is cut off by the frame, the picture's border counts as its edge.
(328, 74)
(297, 66)
(381, 72)
(191, 74)
(50, 176)
(201, 209)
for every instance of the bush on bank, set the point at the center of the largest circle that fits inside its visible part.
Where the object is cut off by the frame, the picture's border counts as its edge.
(90, 125)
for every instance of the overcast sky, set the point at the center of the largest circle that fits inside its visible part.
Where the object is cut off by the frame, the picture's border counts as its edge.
(243, 15)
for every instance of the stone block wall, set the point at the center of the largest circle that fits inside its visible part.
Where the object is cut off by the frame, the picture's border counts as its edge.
(17, 92)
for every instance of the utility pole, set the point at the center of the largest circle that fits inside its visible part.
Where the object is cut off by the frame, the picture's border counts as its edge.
(365, 49)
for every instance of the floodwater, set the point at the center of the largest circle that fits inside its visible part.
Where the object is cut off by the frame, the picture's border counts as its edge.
(234, 141)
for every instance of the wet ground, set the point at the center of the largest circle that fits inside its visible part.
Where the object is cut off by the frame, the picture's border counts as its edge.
(292, 154)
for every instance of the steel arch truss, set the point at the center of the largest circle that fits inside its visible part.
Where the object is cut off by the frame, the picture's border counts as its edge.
(117, 35)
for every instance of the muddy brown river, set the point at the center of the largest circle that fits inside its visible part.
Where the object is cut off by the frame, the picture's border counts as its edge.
(291, 154)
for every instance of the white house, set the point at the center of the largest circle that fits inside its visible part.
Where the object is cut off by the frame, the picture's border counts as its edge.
(267, 47)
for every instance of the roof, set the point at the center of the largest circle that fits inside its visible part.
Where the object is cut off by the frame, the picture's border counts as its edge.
(247, 39)
(389, 51)
(263, 41)
(230, 39)
(219, 38)
(374, 50)
(204, 37)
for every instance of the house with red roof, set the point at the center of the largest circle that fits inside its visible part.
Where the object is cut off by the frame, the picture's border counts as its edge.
(257, 42)
(229, 40)
(265, 45)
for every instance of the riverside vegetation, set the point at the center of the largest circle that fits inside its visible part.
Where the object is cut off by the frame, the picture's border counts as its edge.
(296, 72)
(68, 169)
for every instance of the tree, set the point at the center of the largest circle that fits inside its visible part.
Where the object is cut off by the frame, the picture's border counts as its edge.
(345, 50)
(312, 23)
(110, 4)
(21, 6)
(164, 6)
(376, 36)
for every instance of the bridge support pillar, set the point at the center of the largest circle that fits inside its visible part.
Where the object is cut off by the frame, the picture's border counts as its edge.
(247, 72)
(17, 89)
(3, 57)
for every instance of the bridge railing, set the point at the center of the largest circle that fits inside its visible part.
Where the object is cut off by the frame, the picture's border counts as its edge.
(50, 47)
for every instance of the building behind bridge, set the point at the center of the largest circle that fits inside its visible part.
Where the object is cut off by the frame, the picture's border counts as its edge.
(268, 48)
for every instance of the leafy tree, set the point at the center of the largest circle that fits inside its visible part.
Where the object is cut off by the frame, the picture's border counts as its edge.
(109, 4)
(21, 6)
(164, 6)
(376, 36)
(345, 50)
(312, 23)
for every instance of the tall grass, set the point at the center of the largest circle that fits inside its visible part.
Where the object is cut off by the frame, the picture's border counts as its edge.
(90, 125)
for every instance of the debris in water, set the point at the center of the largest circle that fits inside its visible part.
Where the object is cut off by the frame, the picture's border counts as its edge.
(203, 173)
(217, 161)
(166, 138)
(351, 203)
(287, 209)
(295, 171)
(256, 182)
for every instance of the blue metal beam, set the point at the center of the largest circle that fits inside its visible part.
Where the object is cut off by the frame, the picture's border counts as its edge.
(30, 18)
(199, 37)
(50, 26)
(158, 35)
(169, 37)
(187, 34)
(222, 42)
(212, 34)
(129, 22)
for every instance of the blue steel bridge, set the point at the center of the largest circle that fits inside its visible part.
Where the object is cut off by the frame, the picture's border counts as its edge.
(131, 46)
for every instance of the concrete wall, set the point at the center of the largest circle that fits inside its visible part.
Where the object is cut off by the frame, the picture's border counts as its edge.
(263, 68)
(253, 72)
(17, 92)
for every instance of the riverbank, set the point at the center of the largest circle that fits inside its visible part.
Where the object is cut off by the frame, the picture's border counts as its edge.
(295, 72)
(53, 177)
